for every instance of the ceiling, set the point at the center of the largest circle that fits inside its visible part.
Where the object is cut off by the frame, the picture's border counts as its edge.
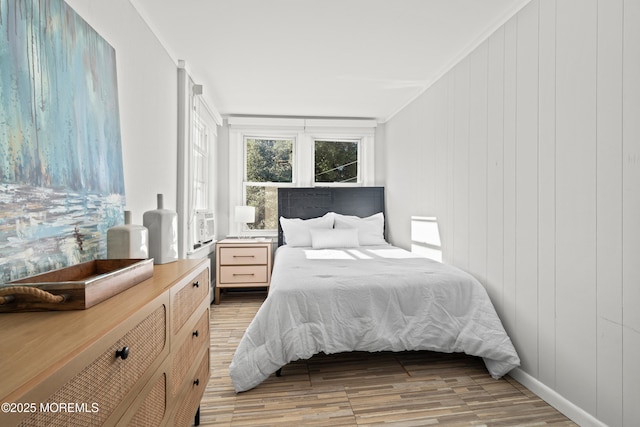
(320, 58)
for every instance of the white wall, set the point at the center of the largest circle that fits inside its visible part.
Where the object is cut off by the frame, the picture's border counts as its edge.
(528, 153)
(147, 92)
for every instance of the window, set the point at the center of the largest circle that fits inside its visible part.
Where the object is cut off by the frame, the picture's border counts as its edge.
(267, 153)
(200, 164)
(336, 161)
(197, 138)
(199, 150)
(268, 165)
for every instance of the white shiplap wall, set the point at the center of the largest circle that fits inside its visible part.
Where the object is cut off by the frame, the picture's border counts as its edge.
(528, 153)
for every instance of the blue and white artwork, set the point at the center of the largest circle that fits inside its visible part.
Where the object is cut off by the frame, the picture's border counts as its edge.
(61, 176)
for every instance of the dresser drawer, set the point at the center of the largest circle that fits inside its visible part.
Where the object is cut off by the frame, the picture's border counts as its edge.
(182, 362)
(191, 401)
(187, 299)
(243, 274)
(104, 383)
(154, 406)
(243, 255)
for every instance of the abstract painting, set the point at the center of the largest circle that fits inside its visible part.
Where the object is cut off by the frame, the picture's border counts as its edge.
(61, 174)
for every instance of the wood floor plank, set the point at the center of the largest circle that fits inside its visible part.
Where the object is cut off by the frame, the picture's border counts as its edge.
(415, 388)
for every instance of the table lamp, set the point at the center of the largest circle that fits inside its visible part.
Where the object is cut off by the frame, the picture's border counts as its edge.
(244, 215)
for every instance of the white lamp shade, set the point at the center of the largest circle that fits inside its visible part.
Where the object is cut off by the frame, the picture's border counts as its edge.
(245, 214)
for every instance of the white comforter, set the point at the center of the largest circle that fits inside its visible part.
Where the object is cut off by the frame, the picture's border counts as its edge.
(373, 298)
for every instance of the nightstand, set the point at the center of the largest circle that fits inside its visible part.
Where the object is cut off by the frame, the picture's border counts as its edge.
(242, 263)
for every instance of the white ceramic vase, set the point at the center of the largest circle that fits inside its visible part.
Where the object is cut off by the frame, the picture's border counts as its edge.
(163, 233)
(128, 241)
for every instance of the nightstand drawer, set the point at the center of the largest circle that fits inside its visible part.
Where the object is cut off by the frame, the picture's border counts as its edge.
(243, 256)
(243, 274)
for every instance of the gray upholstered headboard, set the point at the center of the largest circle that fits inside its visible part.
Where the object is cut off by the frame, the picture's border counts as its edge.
(313, 202)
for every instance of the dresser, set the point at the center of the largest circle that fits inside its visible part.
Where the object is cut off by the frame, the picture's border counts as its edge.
(140, 358)
(242, 263)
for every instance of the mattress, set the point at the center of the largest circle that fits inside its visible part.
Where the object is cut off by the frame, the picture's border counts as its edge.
(370, 298)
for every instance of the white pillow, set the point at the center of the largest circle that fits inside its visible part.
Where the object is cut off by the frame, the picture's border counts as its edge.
(370, 229)
(334, 238)
(296, 230)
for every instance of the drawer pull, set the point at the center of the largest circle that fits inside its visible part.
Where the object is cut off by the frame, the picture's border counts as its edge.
(244, 256)
(196, 284)
(244, 274)
(195, 334)
(196, 382)
(122, 354)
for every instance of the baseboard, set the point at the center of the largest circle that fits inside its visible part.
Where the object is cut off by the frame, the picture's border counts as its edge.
(552, 397)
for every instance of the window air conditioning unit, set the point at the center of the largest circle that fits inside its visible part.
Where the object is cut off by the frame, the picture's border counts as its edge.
(204, 227)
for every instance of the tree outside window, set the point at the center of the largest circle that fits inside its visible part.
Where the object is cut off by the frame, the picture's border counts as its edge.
(269, 164)
(336, 161)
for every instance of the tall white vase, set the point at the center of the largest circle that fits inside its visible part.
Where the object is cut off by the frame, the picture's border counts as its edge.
(163, 233)
(128, 241)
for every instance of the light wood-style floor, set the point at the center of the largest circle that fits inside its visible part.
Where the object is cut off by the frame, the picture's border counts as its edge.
(362, 389)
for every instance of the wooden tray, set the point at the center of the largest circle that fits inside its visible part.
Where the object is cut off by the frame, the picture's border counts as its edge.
(82, 285)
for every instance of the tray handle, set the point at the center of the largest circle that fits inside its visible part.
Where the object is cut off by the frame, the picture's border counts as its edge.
(7, 294)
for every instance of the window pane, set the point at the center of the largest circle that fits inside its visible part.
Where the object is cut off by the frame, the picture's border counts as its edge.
(199, 164)
(265, 200)
(336, 161)
(269, 160)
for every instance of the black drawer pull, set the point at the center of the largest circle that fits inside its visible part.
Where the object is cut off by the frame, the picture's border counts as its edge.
(122, 354)
(196, 284)
(196, 382)
(195, 333)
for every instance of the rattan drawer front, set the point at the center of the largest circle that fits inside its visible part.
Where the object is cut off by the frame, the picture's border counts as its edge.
(103, 384)
(243, 274)
(185, 356)
(188, 298)
(243, 255)
(190, 403)
(154, 406)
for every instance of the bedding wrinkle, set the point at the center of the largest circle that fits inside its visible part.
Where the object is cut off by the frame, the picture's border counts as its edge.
(386, 300)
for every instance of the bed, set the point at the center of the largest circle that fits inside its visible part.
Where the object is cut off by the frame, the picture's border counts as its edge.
(338, 286)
